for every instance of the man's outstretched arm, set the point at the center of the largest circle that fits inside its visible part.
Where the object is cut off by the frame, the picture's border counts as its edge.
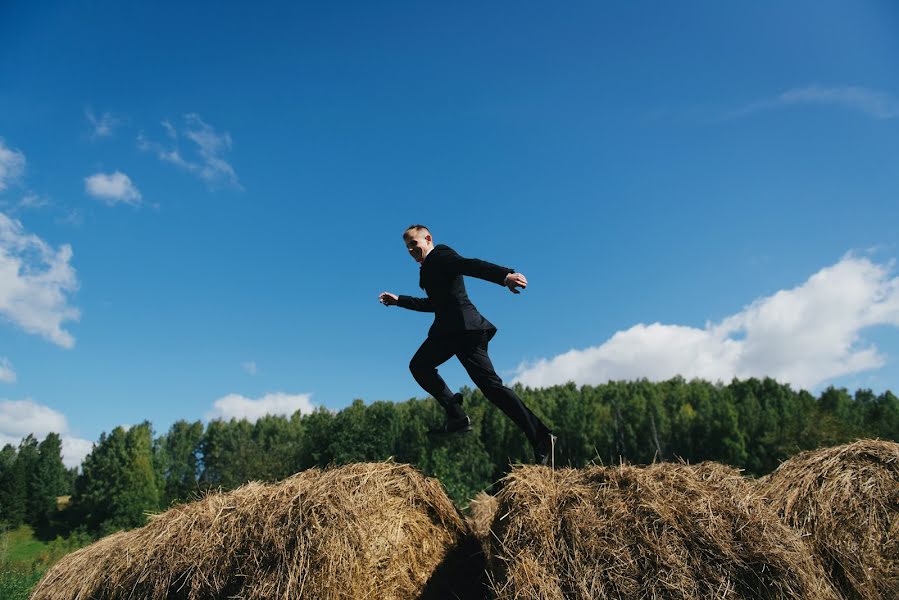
(475, 267)
(419, 304)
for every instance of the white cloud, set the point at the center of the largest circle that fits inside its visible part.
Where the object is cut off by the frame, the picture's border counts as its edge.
(804, 336)
(18, 418)
(12, 165)
(75, 450)
(113, 188)
(7, 374)
(250, 367)
(235, 406)
(210, 147)
(103, 125)
(874, 103)
(35, 280)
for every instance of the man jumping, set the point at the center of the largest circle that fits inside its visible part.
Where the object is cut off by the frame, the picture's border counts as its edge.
(461, 330)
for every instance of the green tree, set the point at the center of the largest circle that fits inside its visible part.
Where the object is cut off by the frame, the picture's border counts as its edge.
(315, 446)
(27, 461)
(177, 458)
(227, 450)
(363, 432)
(275, 444)
(12, 489)
(117, 485)
(49, 480)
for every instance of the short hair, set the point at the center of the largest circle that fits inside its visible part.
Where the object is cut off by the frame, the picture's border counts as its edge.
(416, 227)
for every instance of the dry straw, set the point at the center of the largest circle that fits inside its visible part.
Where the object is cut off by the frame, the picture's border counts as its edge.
(846, 500)
(669, 531)
(377, 530)
(482, 510)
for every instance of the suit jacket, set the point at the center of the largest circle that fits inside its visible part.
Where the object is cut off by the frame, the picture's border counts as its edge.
(441, 278)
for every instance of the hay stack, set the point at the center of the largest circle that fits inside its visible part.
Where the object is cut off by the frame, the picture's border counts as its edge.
(665, 531)
(483, 509)
(846, 500)
(375, 530)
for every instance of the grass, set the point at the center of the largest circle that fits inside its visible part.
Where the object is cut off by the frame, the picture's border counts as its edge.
(19, 551)
(15, 584)
(24, 558)
(19, 547)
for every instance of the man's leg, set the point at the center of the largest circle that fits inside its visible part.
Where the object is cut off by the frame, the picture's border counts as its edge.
(433, 353)
(474, 358)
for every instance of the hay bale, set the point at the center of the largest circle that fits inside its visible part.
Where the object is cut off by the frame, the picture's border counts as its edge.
(669, 531)
(376, 530)
(846, 502)
(482, 510)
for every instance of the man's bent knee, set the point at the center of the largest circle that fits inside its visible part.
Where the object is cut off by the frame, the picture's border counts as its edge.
(489, 383)
(417, 368)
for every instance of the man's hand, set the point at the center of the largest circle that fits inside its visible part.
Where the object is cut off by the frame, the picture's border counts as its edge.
(515, 280)
(388, 299)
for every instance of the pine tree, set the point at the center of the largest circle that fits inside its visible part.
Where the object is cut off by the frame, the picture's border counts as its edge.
(117, 485)
(26, 465)
(49, 480)
(12, 489)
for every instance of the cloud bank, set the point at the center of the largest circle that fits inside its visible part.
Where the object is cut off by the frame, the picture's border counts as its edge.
(35, 281)
(235, 406)
(18, 418)
(804, 336)
(113, 188)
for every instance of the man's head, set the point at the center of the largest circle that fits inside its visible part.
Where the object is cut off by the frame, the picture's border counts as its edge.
(418, 242)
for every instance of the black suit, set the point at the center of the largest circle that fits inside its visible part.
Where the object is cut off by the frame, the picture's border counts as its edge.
(461, 330)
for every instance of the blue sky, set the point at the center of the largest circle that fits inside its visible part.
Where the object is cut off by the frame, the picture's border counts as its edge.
(200, 204)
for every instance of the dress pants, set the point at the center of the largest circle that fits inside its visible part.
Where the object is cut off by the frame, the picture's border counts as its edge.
(470, 347)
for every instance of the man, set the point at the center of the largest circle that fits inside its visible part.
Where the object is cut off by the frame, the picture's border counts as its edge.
(461, 330)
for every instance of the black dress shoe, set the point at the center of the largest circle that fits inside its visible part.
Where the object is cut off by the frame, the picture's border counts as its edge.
(543, 451)
(460, 425)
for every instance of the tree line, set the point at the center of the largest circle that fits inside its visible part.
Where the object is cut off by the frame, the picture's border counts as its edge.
(751, 424)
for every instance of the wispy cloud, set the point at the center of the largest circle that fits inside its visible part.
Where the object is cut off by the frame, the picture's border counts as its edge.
(805, 336)
(12, 165)
(19, 418)
(7, 374)
(73, 217)
(874, 103)
(207, 159)
(32, 201)
(235, 406)
(170, 129)
(29, 201)
(250, 367)
(112, 188)
(102, 126)
(35, 282)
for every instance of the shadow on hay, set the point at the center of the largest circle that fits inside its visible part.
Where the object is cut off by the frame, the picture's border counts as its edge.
(462, 575)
